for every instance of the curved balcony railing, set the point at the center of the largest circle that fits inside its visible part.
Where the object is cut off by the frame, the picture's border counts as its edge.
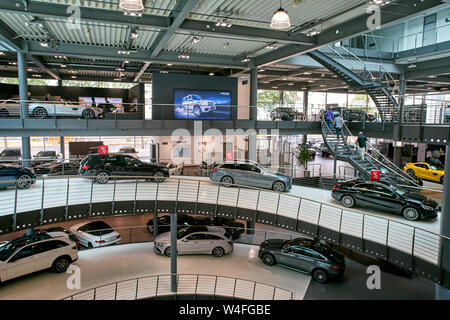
(52, 200)
(192, 285)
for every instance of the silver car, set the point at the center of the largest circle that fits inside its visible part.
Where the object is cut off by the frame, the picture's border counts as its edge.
(43, 110)
(250, 174)
(197, 240)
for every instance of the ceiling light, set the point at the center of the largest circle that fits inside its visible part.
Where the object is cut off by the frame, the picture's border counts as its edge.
(170, 64)
(126, 61)
(261, 70)
(2, 53)
(195, 40)
(12, 63)
(183, 56)
(123, 52)
(245, 60)
(163, 71)
(134, 35)
(311, 81)
(226, 45)
(444, 88)
(274, 87)
(211, 73)
(74, 77)
(63, 66)
(119, 69)
(432, 76)
(36, 75)
(290, 84)
(313, 32)
(132, 14)
(34, 23)
(131, 5)
(280, 19)
(44, 44)
(271, 46)
(412, 66)
(307, 73)
(223, 23)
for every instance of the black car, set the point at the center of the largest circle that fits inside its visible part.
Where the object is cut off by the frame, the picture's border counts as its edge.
(104, 166)
(57, 169)
(46, 156)
(233, 227)
(286, 114)
(306, 255)
(354, 115)
(20, 176)
(385, 197)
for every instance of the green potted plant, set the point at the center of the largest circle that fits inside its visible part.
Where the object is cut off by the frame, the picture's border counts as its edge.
(303, 158)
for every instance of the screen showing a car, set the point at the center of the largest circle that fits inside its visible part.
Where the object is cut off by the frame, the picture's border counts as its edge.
(45, 154)
(202, 104)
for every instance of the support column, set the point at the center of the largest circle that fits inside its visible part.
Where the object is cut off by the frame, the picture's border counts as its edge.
(253, 93)
(252, 147)
(397, 160)
(401, 91)
(155, 225)
(305, 104)
(441, 292)
(62, 149)
(23, 96)
(250, 227)
(173, 252)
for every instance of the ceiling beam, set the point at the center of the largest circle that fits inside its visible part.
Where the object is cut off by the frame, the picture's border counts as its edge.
(8, 38)
(177, 16)
(116, 17)
(141, 72)
(390, 14)
(40, 64)
(89, 52)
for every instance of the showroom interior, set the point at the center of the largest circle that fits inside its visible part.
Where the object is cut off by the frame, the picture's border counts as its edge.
(249, 150)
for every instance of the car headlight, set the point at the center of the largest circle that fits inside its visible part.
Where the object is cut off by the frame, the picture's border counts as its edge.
(160, 244)
(427, 207)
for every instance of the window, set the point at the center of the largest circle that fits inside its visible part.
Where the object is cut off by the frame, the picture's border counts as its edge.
(381, 189)
(24, 253)
(364, 186)
(197, 236)
(306, 252)
(212, 237)
(49, 245)
(429, 30)
(130, 161)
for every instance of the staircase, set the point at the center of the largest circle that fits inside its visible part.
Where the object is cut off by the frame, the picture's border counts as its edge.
(347, 151)
(362, 75)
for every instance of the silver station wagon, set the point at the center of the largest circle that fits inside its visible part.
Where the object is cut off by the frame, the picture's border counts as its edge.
(247, 173)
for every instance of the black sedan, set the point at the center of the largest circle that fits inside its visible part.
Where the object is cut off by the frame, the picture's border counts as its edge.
(385, 197)
(306, 255)
(19, 176)
(102, 167)
(56, 169)
(233, 227)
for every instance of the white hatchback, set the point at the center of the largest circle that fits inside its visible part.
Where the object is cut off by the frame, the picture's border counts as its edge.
(33, 253)
(197, 240)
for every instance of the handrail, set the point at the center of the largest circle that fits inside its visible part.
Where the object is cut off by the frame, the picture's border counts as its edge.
(266, 291)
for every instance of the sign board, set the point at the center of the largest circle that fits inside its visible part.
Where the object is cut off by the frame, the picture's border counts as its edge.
(229, 156)
(103, 150)
(375, 175)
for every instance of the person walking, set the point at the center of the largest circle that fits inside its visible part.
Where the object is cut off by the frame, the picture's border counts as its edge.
(93, 104)
(361, 142)
(47, 97)
(339, 124)
(329, 117)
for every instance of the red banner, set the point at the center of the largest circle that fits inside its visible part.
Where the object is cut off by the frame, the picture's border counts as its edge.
(103, 150)
(375, 175)
(229, 156)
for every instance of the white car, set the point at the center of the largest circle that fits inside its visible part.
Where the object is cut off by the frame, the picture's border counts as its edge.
(175, 169)
(36, 252)
(10, 108)
(129, 151)
(95, 234)
(197, 240)
(195, 104)
(42, 110)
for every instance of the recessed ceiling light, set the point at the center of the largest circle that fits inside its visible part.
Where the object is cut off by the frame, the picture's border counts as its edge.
(271, 46)
(245, 60)
(195, 40)
(170, 64)
(211, 73)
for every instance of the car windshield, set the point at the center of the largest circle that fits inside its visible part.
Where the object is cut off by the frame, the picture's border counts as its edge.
(188, 230)
(194, 97)
(397, 190)
(45, 154)
(97, 228)
(127, 151)
(436, 167)
(10, 153)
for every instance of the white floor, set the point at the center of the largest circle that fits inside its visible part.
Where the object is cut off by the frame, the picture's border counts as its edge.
(80, 193)
(109, 264)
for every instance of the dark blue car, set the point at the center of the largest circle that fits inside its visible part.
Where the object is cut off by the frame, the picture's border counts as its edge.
(11, 175)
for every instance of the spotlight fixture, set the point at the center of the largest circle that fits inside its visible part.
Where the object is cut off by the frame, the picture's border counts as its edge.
(73, 77)
(303, 88)
(12, 63)
(280, 19)
(126, 61)
(271, 46)
(261, 70)
(223, 23)
(34, 23)
(2, 53)
(170, 64)
(290, 84)
(183, 56)
(44, 44)
(313, 32)
(211, 73)
(117, 79)
(63, 66)
(36, 75)
(412, 66)
(245, 60)
(307, 73)
(119, 69)
(381, 2)
(195, 40)
(134, 35)
(123, 52)
(131, 5)
(274, 87)
(432, 76)
(163, 71)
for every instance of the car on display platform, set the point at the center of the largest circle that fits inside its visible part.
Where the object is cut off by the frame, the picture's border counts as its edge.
(197, 240)
(21, 177)
(11, 156)
(286, 114)
(233, 227)
(128, 151)
(57, 169)
(387, 198)
(45, 156)
(36, 252)
(10, 107)
(95, 234)
(306, 255)
(102, 167)
(249, 173)
(43, 110)
(424, 170)
(195, 104)
(63, 231)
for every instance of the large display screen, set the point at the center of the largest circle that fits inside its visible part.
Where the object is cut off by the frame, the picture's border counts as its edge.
(202, 104)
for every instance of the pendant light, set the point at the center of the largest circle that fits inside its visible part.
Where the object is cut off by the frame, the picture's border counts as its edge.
(131, 5)
(280, 19)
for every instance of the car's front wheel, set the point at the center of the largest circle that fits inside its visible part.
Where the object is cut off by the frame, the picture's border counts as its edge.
(167, 252)
(279, 186)
(24, 181)
(88, 114)
(320, 275)
(268, 259)
(348, 201)
(102, 177)
(60, 265)
(40, 113)
(411, 213)
(218, 252)
(410, 172)
(159, 176)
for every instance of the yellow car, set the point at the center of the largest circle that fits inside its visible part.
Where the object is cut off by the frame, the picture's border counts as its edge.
(425, 171)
